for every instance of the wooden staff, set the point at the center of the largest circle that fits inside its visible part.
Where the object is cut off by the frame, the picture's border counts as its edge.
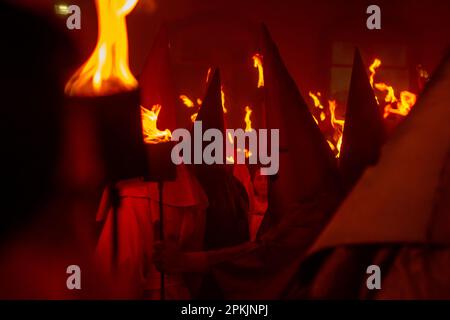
(161, 232)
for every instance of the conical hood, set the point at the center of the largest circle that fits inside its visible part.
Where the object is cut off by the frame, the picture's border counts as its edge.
(211, 112)
(363, 131)
(226, 219)
(156, 82)
(307, 167)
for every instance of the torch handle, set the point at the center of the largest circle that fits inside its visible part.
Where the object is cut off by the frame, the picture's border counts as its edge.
(115, 203)
(161, 232)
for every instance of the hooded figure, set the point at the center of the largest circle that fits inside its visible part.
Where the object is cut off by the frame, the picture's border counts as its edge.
(302, 198)
(157, 86)
(227, 213)
(226, 220)
(130, 230)
(307, 167)
(363, 133)
(397, 216)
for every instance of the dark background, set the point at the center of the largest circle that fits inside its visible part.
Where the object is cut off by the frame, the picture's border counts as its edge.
(316, 40)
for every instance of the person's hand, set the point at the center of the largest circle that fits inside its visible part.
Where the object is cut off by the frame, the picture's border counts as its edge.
(167, 257)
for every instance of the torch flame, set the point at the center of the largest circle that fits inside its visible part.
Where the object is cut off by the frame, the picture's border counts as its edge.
(400, 106)
(338, 126)
(390, 96)
(107, 70)
(316, 99)
(194, 116)
(257, 63)
(248, 121)
(222, 94)
(373, 69)
(187, 101)
(208, 74)
(152, 135)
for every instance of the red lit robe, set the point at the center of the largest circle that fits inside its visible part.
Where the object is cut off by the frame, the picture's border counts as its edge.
(134, 275)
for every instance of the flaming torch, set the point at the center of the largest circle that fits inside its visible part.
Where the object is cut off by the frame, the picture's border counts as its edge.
(158, 109)
(107, 71)
(104, 116)
(161, 168)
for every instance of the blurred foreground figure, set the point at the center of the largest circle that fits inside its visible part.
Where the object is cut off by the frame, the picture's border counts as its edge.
(42, 229)
(134, 275)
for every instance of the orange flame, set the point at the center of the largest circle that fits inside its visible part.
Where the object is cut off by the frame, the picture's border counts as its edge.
(208, 74)
(152, 135)
(390, 96)
(316, 99)
(187, 101)
(222, 94)
(257, 63)
(400, 106)
(338, 126)
(407, 101)
(335, 141)
(107, 70)
(373, 69)
(194, 116)
(248, 121)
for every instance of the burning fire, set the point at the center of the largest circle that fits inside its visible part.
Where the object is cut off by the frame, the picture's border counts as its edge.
(394, 105)
(338, 126)
(107, 70)
(401, 106)
(194, 116)
(248, 128)
(152, 135)
(318, 104)
(222, 93)
(373, 67)
(187, 101)
(248, 121)
(335, 141)
(257, 63)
